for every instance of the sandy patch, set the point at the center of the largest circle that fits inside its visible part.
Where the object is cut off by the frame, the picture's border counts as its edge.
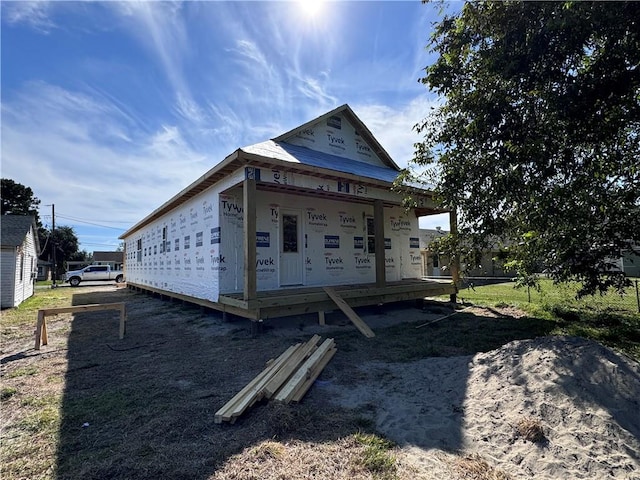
(586, 397)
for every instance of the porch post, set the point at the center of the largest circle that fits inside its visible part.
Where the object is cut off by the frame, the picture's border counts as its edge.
(378, 221)
(249, 223)
(455, 261)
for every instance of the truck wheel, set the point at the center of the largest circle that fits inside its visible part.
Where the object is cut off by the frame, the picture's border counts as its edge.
(74, 281)
(119, 279)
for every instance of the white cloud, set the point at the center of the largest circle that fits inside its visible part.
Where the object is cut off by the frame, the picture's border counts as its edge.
(161, 27)
(393, 127)
(32, 13)
(61, 144)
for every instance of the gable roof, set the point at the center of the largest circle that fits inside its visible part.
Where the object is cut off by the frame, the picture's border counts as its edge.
(278, 153)
(14, 228)
(304, 156)
(359, 126)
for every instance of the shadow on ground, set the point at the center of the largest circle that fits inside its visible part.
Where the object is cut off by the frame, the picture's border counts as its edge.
(143, 407)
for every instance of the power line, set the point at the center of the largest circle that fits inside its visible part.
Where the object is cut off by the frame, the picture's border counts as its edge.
(90, 223)
(99, 244)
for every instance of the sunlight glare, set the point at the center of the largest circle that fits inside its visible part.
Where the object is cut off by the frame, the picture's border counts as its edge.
(311, 8)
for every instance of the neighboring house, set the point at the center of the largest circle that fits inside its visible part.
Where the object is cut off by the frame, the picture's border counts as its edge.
(630, 263)
(44, 270)
(115, 259)
(435, 265)
(310, 208)
(19, 260)
(432, 264)
(76, 264)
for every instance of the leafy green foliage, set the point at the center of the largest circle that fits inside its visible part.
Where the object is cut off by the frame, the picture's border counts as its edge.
(536, 142)
(18, 199)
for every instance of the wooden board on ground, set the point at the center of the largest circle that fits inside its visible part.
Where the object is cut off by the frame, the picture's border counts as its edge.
(287, 378)
(291, 365)
(251, 392)
(296, 382)
(348, 311)
(314, 374)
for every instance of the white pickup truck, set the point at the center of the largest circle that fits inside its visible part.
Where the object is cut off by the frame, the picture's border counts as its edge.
(93, 273)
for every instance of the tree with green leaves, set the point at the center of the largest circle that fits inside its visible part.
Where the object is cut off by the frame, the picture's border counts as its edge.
(66, 243)
(536, 140)
(18, 199)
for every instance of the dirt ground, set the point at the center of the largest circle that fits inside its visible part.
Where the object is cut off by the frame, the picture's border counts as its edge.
(143, 407)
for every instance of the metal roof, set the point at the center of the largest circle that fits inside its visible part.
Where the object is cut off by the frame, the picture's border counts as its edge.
(277, 153)
(305, 156)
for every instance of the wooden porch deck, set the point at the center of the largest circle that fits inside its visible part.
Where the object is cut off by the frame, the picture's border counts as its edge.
(301, 300)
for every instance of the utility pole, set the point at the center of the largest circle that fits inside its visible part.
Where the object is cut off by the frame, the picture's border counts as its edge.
(53, 243)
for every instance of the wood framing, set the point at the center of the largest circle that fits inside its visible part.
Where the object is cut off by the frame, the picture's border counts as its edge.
(297, 301)
(348, 311)
(41, 325)
(378, 221)
(249, 219)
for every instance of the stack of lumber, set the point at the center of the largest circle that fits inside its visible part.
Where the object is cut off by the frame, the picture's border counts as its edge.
(285, 379)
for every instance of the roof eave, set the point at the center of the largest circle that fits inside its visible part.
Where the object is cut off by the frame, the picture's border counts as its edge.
(210, 178)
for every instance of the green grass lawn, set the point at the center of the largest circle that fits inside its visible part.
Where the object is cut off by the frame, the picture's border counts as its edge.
(27, 311)
(611, 319)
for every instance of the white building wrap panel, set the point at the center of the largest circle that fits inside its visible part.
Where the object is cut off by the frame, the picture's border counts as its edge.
(181, 251)
(335, 241)
(197, 249)
(177, 252)
(231, 247)
(336, 136)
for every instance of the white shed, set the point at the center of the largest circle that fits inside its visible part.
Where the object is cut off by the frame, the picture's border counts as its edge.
(19, 261)
(263, 231)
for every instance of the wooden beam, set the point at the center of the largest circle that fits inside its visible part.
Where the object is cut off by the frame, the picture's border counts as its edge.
(298, 380)
(348, 311)
(378, 221)
(249, 220)
(252, 391)
(313, 374)
(287, 369)
(41, 325)
(455, 261)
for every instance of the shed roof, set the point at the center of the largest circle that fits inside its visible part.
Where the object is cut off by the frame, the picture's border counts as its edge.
(117, 257)
(14, 228)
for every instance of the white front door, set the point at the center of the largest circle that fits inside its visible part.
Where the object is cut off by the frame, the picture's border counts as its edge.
(291, 248)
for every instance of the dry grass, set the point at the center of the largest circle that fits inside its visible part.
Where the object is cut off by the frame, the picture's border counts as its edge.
(346, 458)
(474, 467)
(530, 429)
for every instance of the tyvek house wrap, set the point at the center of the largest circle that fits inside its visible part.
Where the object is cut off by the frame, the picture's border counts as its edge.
(334, 242)
(179, 251)
(197, 249)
